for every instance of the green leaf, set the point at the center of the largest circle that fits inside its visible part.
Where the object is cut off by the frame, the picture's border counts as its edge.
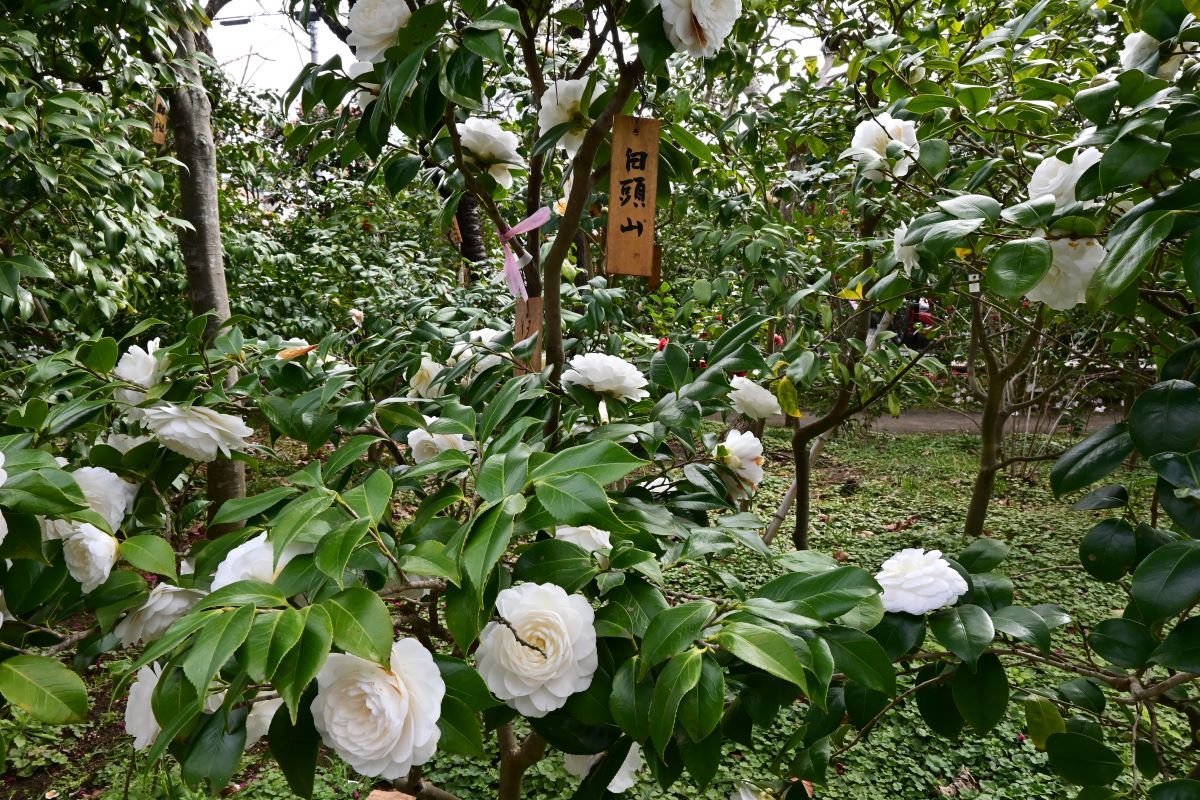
(1129, 249)
(677, 679)
(462, 733)
(829, 594)
(501, 16)
(216, 644)
(242, 593)
(578, 500)
(1181, 649)
(488, 539)
(1130, 159)
(672, 631)
(337, 547)
(701, 709)
(1082, 760)
(1091, 459)
(1097, 102)
(556, 561)
(1166, 418)
(1043, 720)
(604, 461)
(1024, 624)
(372, 498)
(296, 516)
(271, 636)
(150, 554)
(294, 746)
(936, 704)
(972, 206)
(243, 508)
(1018, 266)
(764, 648)
(100, 355)
(1181, 789)
(215, 748)
(982, 555)
(965, 631)
(45, 688)
(690, 143)
(302, 662)
(630, 701)
(899, 633)
(361, 624)
(1123, 642)
(1034, 213)
(981, 696)
(861, 659)
(1168, 580)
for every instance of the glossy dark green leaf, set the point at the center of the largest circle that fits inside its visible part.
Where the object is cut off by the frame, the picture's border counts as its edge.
(1024, 624)
(899, 633)
(1082, 760)
(1018, 266)
(764, 648)
(1166, 418)
(556, 561)
(1091, 459)
(982, 555)
(965, 631)
(1129, 249)
(1168, 580)
(215, 644)
(981, 696)
(1181, 649)
(1112, 496)
(361, 624)
(1123, 642)
(294, 747)
(861, 659)
(936, 704)
(677, 678)
(1108, 550)
(672, 631)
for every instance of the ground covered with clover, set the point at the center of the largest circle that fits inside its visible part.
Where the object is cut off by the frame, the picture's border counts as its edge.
(869, 509)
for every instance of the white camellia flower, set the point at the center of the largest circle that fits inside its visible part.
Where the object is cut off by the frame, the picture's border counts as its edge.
(1074, 263)
(106, 493)
(254, 560)
(3, 472)
(562, 103)
(366, 94)
(139, 367)
(874, 134)
(373, 26)
(556, 654)
(492, 148)
(1138, 49)
(123, 442)
(197, 432)
(382, 722)
(626, 776)
(139, 716)
(3, 527)
(90, 555)
(258, 721)
(605, 374)
(699, 27)
(742, 452)
(1057, 177)
(905, 255)
(751, 400)
(748, 792)
(916, 582)
(4, 612)
(357, 316)
(425, 445)
(422, 381)
(165, 604)
(588, 537)
(481, 340)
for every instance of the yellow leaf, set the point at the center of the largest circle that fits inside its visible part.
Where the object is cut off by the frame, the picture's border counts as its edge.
(852, 292)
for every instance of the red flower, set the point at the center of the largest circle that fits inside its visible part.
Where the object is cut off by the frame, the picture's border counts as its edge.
(703, 364)
(662, 343)
(778, 340)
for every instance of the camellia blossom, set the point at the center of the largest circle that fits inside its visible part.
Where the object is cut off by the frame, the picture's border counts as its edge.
(751, 400)
(123, 442)
(140, 722)
(3, 527)
(626, 777)
(106, 493)
(481, 340)
(1074, 263)
(382, 722)
(916, 582)
(1139, 48)
(562, 103)
(874, 134)
(90, 554)
(555, 656)
(197, 432)
(605, 374)
(254, 560)
(588, 537)
(491, 148)
(4, 612)
(366, 94)
(258, 721)
(425, 445)
(905, 255)
(422, 381)
(746, 791)
(165, 604)
(373, 27)
(742, 452)
(1057, 177)
(357, 316)
(3, 472)
(699, 27)
(141, 368)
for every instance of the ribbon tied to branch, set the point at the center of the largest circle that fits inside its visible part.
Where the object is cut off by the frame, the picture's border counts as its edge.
(512, 268)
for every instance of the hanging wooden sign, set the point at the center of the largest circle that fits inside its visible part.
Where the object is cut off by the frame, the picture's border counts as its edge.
(159, 126)
(529, 323)
(633, 185)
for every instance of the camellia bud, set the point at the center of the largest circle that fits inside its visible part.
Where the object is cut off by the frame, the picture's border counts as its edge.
(662, 343)
(778, 340)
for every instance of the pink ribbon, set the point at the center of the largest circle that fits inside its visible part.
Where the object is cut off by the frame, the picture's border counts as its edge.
(512, 269)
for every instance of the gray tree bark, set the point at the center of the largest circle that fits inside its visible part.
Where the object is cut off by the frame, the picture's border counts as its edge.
(191, 123)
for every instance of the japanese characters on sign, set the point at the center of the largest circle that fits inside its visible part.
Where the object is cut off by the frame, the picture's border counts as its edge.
(159, 127)
(632, 188)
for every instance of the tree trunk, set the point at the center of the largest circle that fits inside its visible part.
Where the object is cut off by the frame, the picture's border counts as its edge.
(990, 456)
(191, 121)
(470, 228)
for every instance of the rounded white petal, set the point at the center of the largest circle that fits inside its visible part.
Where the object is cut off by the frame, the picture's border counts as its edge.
(381, 721)
(699, 27)
(1056, 177)
(626, 777)
(605, 374)
(742, 452)
(258, 721)
(751, 400)
(1138, 49)
(556, 656)
(916, 582)
(90, 554)
(1074, 263)
(588, 537)
(106, 493)
(373, 26)
(906, 255)
(490, 146)
(165, 604)
(254, 560)
(562, 103)
(139, 366)
(139, 716)
(197, 432)
(422, 382)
